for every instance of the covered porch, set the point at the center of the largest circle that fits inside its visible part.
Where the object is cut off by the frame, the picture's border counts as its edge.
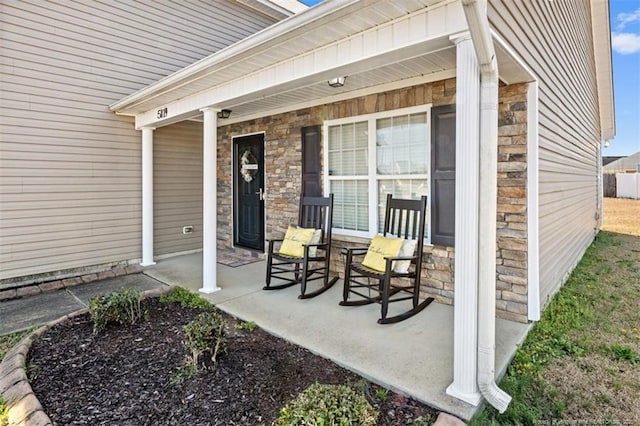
(412, 357)
(280, 80)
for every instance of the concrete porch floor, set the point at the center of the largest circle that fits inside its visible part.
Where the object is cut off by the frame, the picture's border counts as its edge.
(413, 357)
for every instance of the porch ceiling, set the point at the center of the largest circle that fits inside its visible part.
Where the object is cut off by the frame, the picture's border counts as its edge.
(377, 44)
(319, 26)
(339, 37)
(433, 66)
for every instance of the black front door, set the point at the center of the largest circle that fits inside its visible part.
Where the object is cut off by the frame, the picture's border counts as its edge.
(248, 200)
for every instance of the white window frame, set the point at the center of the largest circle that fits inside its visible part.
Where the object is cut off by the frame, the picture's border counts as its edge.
(373, 177)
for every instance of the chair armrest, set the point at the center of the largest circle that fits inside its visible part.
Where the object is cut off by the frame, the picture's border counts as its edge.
(316, 245)
(354, 251)
(401, 258)
(272, 243)
(320, 246)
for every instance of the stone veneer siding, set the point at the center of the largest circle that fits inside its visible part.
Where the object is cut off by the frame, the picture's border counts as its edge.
(283, 176)
(511, 262)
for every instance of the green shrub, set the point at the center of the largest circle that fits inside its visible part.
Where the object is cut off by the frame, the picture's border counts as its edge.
(120, 307)
(326, 405)
(249, 326)
(382, 393)
(206, 333)
(186, 299)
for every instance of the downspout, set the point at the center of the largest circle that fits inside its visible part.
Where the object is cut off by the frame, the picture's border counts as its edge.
(476, 14)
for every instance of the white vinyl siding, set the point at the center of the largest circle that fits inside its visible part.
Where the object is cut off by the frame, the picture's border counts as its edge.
(177, 187)
(70, 170)
(554, 39)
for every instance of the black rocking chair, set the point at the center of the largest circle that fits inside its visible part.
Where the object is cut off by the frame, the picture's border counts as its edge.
(403, 219)
(315, 212)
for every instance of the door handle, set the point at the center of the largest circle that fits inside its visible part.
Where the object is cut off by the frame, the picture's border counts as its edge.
(260, 194)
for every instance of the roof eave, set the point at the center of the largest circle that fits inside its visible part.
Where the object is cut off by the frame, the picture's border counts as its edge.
(234, 51)
(601, 31)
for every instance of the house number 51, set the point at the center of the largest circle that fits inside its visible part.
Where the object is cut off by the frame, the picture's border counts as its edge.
(162, 113)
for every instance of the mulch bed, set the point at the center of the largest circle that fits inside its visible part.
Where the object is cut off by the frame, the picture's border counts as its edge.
(127, 375)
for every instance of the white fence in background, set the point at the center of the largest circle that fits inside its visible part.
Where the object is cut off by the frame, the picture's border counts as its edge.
(628, 185)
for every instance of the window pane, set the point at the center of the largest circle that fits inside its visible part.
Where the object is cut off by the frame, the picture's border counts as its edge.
(348, 163)
(401, 143)
(347, 136)
(419, 159)
(361, 134)
(349, 217)
(361, 158)
(402, 188)
(348, 149)
(418, 127)
(385, 160)
(400, 130)
(334, 138)
(384, 127)
(350, 202)
(335, 164)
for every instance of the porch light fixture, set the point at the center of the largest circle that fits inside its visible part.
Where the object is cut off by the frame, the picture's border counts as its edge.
(225, 113)
(336, 82)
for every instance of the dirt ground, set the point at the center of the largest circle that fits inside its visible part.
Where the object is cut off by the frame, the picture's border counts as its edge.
(132, 376)
(622, 216)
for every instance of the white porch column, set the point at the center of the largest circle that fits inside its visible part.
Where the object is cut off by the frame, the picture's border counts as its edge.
(147, 196)
(209, 202)
(465, 384)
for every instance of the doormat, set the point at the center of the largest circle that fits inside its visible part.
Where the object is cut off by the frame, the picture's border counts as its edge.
(233, 259)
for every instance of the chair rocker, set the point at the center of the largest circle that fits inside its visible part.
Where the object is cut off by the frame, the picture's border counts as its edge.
(315, 212)
(403, 219)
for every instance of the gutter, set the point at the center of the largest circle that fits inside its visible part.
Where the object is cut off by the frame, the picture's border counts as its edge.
(476, 15)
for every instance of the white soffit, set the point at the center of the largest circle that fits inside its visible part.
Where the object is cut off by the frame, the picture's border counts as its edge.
(341, 36)
(604, 72)
(511, 68)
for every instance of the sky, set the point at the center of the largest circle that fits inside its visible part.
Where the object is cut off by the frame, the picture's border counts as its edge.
(625, 42)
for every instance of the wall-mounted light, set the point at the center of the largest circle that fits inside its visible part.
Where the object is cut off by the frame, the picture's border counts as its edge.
(225, 113)
(336, 82)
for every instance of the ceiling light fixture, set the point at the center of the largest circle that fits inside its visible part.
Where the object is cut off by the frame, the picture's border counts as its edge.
(336, 82)
(225, 113)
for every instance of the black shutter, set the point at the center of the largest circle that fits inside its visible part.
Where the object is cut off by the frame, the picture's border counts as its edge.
(443, 175)
(311, 185)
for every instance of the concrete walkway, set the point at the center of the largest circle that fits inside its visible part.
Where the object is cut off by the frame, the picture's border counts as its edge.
(21, 314)
(413, 357)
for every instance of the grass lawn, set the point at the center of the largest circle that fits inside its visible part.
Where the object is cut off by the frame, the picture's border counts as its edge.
(10, 340)
(581, 362)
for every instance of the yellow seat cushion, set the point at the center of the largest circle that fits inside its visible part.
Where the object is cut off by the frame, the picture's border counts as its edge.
(294, 241)
(380, 248)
